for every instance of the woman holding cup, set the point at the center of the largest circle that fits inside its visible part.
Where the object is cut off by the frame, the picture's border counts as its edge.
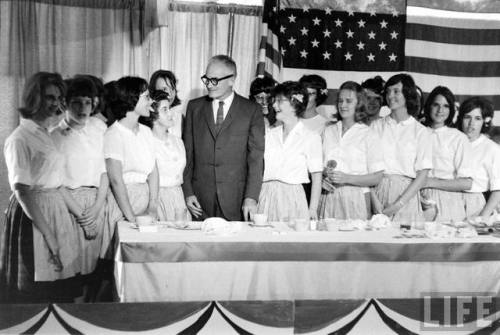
(292, 150)
(171, 159)
(352, 161)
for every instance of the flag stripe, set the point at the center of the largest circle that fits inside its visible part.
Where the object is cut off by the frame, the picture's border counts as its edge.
(427, 82)
(478, 6)
(452, 52)
(452, 19)
(417, 31)
(452, 68)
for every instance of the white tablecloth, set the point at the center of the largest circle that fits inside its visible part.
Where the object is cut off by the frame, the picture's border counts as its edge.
(280, 264)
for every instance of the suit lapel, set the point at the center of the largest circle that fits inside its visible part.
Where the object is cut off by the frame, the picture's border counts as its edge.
(209, 117)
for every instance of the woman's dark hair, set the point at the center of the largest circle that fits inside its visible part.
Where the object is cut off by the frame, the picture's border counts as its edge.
(450, 99)
(81, 86)
(128, 90)
(157, 96)
(360, 114)
(318, 83)
(169, 77)
(99, 85)
(375, 84)
(34, 90)
(472, 103)
(264, 85)
(294, 92)
(109, 96)
(260, 85)
(409, 91)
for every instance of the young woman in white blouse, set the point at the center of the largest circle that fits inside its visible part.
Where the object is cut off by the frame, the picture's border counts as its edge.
(129, 154)
(355, 150)
(170, 157)
(80, 139)
(292, 150)
(474, 119)
(407, 152)
(451, 172)
(39, 252)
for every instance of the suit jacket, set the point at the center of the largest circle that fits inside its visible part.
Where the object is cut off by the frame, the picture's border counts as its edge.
(227, 165)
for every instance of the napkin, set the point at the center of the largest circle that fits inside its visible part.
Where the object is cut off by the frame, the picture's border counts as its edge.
(379, 221)
(219, 226)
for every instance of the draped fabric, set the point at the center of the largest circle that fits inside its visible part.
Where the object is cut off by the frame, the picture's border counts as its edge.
(113, 38)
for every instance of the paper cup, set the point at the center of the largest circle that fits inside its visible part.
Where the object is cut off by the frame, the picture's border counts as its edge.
(260, 219)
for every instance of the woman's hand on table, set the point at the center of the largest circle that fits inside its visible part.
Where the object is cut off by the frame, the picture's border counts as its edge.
(313, 214)
(392, 209)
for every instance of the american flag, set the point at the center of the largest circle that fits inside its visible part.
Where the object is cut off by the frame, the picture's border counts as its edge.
(452, 43)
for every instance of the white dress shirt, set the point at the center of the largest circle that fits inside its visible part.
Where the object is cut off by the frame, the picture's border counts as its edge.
(356, 152)
(227, 104)
(32, 157)
(134, 150)
(171, 160)
(406, 145)
(289, 161)
(451, 152)
(83, 153)
(485, 160)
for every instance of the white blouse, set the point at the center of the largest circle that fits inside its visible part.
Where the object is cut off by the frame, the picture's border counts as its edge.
(316, 123)
(356, 152)
(32, 157)
(83, 153)
(406, 145)
(289, 161)
(134, 150)
(171, 160)
(451, 154)
(485, 160)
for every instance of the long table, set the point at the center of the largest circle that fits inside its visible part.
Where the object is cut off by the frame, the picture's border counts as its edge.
(281, 264)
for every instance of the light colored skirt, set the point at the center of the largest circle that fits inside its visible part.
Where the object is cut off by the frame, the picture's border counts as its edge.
(60, 222)
(282, 202)
(170, 200)
(346, 202)
(390, 189)
(138, 195)
(474, 203)
(89, 249)
(450, 205)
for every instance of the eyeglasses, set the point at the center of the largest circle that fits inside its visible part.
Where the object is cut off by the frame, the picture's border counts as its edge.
(214, 81)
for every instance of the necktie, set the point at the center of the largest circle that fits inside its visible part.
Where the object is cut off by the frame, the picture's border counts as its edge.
(220, 116)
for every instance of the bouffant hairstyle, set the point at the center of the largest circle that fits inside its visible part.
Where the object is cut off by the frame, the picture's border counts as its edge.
(260, 85)
(34, 90)
(450, 98)
(296, 93)
(169, 77)
(157, 96)
(126, 95)
(409, 91)
(360, 114)
(375, 84)
(318, 83)
(472, 103)
(81, 86)
(99, 85)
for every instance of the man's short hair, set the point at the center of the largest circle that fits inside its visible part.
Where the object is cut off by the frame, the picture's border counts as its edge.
(226, 60)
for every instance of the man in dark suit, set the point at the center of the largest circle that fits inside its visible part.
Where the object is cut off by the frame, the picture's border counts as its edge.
(224, 139)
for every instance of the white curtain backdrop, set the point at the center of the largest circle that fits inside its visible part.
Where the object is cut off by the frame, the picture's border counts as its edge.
(112, 38)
